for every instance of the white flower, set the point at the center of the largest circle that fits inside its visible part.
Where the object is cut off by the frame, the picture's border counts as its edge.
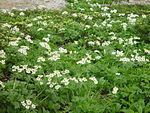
(94, 80)
(28, 102)
(27, 107)
(2, 84)
(2, 54)
(98, 57)
(23, 50)
(11, 14)
(113, 11)
(29, 25)
(40, 59)
(54, 57)
(21, 14)
(65, 81)
(64, 13)
(74, 15)
(45, 45)
(124, 25)
(57, 87)
(28, 38)
(40, 29)
(97, 43)
(106, 43)
(15, 30)
(23, 103)
(62, 50)
(46, 39)
(124, 59)
(13, 43)
(2, 61)
(104, 8)
(33, 106)
(121, 14)
(67, 71)
(147, 51)
(6, 25)
(96, 51)
(117, 73)
(115, 90)
(113, 37)
(76, 42)
(91, 43)
(118, 53)
(144, 16)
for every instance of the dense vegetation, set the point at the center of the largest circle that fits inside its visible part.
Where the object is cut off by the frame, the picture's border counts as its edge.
(86, 58)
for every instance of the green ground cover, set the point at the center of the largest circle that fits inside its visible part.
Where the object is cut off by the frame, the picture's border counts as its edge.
(86, 58)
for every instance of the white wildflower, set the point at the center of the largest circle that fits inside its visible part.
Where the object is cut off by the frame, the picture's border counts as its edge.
(45, 45)
(2, 61)
(2, 84)
(40, 59)
(64, 13)
(94, 80)
(46, 39)
(2, 54)
(115, 90)
(21, 14)
(57, 87)
(62, 50)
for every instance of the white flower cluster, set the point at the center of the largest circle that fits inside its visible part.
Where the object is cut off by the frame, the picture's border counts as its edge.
(28, 38)
(147, 51)
(2, 55)
(106, 43)
(105, 8)
(51, 84)
(21, 13)
(2, 84)
(56, 54)
(118, 53)
(94, 43)
(85, 60)
(40, 29)
(11, 14)
(66, 81)
(15, 29)
(88, 17)
(71, 52)
(124, 25)
(115, 90)
(139, 58)
(62, 50)
(40, 59)
(45, 45)
(6, 25)
(14, 43)
(94, 80)
(132, 18)
(131, 41)
(113, 11)
(23, 50)
(42, 23)
(28, 104)
(26, 69)
(46, 39)
(134, 58)
(64, 13)
(37, 18)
